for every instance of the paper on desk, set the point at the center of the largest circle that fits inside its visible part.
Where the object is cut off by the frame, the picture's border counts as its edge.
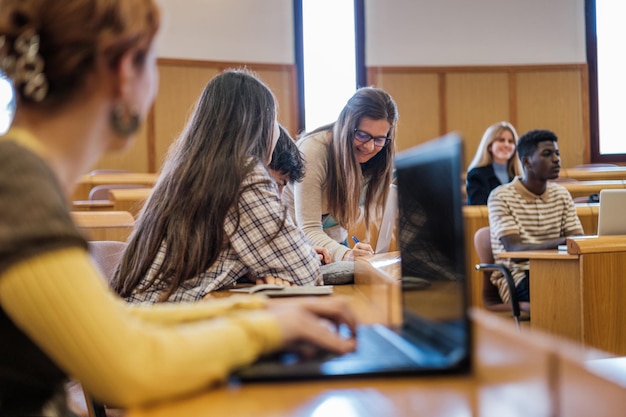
(272, 290)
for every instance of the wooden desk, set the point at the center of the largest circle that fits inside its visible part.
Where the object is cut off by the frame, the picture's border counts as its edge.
(579, 294)
(87, 182)
(92, 205)
(475, 217)
(594, 173)
(129, 199)
(586, 188)
(104, 225)
(515, 374)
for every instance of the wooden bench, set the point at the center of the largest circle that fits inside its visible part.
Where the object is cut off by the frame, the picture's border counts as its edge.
(594, 174)
(87, 182)
(105, 225)
(129, 199)
(586, 188)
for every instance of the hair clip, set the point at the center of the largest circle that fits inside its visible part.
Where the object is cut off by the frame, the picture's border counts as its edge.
(26, 66)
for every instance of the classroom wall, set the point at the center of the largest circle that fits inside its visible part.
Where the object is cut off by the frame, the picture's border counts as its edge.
(449, 64)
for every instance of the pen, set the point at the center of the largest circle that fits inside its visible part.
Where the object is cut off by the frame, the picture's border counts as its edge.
(355, 239)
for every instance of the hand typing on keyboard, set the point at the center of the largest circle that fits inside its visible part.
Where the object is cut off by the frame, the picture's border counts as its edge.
(309, 326)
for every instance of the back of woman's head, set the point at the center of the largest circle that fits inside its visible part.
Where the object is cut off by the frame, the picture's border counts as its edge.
(48, 47)
(230, 130)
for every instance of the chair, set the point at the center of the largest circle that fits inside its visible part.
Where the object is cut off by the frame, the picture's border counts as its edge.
(104, 225)
(490, 295)
(106, 254)
(101, 192)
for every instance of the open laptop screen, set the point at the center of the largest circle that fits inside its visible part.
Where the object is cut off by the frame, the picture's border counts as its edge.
(430, 234)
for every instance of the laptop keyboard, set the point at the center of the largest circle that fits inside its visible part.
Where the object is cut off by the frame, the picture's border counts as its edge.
(373, 346)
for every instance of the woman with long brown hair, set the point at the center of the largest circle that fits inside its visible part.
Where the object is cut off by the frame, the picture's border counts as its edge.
(348, 172)
(215, 215)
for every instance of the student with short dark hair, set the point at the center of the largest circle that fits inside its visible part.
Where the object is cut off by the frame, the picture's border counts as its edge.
(530, 213)
(287, 167)
(287, 164)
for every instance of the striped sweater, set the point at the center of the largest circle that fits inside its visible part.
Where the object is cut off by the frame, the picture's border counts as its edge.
(513, 209)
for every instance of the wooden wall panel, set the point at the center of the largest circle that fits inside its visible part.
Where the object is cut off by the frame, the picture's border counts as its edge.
(282, 82)
(431, 101)
(181, 83)
(474, 101)
(469, 99)
(553, 100)
(180, 87)
(134, 159)
(417, 97)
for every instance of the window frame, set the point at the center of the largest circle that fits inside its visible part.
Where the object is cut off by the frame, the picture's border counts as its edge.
(592, 74)
(361, 72)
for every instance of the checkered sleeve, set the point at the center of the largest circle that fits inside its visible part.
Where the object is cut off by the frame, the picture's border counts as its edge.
(263, 241)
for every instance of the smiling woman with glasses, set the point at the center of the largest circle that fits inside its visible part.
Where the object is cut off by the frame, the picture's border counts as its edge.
(348, 173)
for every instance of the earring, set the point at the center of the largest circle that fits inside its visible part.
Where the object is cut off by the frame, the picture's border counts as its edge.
(124, 121)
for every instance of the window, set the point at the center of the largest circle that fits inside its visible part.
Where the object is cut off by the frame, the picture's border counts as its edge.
(607, 80)
(329, 57)
(7, 103)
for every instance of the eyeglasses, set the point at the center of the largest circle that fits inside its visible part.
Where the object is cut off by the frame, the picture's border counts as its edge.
(364, 137)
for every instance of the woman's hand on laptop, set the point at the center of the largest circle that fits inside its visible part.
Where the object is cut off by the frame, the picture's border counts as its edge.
(313, 323)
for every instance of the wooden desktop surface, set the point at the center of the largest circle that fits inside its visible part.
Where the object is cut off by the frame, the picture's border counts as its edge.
(579, 294)
(514, 374)
(88, 181)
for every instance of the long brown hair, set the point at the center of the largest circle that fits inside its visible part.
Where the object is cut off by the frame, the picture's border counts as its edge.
(346, 176)
(229, 132)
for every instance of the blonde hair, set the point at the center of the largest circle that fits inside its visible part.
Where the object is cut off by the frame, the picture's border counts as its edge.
(483, 156)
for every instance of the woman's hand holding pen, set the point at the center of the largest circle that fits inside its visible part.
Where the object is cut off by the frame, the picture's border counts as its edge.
(359, 249)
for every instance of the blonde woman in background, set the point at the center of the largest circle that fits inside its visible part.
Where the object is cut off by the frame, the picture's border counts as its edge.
(495, 163)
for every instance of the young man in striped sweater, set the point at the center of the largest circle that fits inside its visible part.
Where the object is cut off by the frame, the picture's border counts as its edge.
(530, 213)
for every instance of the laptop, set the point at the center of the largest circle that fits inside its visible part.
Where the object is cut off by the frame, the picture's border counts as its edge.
(388, 221)
(610, 218)
(434, 336)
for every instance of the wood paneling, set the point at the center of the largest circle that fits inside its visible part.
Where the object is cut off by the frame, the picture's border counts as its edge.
(469, 99)
(181, 84)
(418, 99)
(554, 100)
(179, 89)
(431, 101)
(463, 92)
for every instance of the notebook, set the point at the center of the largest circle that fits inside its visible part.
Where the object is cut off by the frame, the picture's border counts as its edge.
(434, 336)
(610, 218)
(388, 222)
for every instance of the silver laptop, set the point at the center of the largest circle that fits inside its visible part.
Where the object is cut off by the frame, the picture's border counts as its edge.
(434, 336)
(611, 220)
